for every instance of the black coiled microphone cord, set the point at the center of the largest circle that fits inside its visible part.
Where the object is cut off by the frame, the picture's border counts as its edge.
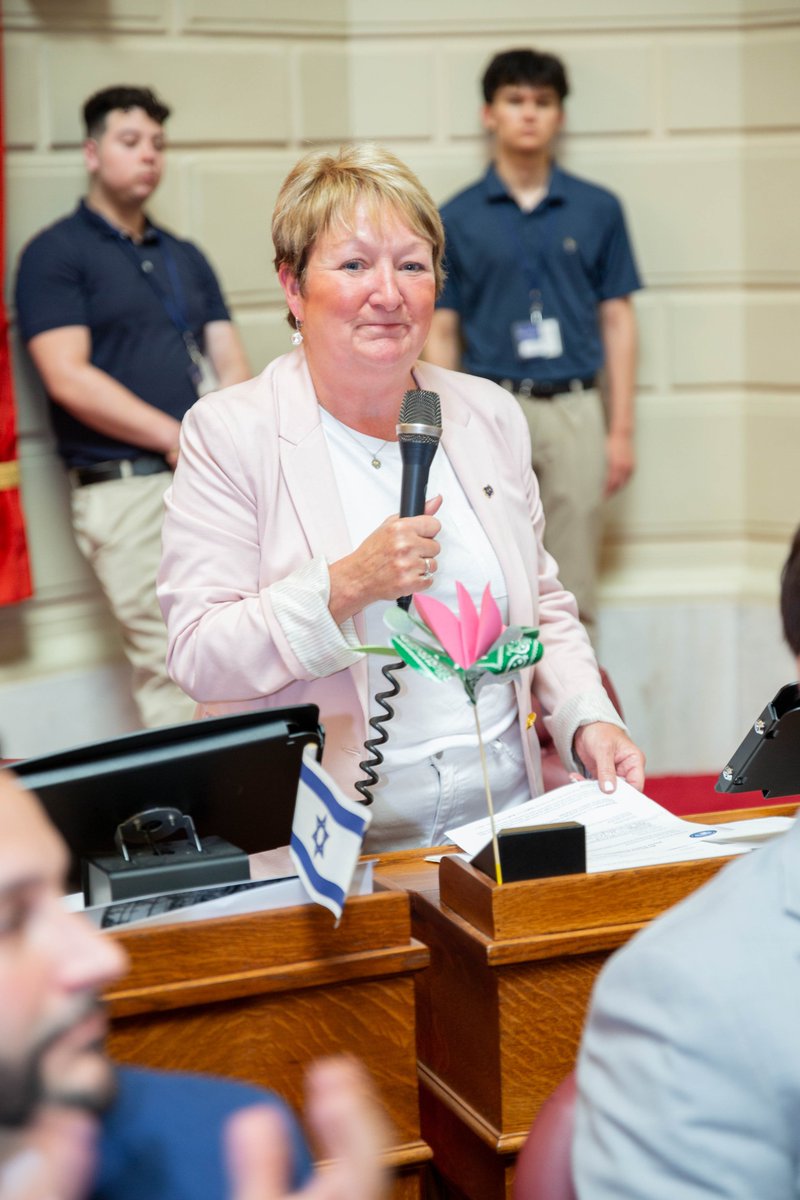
(377, 723)
(419, 429)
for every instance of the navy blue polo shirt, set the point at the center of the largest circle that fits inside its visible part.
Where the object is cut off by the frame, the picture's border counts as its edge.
(573, 249)
(163, 1137)
(83, 271)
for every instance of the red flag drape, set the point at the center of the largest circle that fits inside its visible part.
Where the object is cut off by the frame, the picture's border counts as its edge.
(15, 571)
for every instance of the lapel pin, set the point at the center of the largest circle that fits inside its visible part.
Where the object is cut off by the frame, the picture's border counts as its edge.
(489, 490)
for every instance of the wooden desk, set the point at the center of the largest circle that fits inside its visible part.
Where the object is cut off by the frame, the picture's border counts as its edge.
(258, 997)
(501, 1008)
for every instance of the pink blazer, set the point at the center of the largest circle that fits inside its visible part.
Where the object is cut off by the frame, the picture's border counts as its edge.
(254, 498)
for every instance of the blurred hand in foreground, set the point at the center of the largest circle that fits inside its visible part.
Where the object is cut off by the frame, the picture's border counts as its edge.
(347, 1119)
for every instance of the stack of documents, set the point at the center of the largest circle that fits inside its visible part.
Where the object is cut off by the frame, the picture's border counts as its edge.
(623, 829)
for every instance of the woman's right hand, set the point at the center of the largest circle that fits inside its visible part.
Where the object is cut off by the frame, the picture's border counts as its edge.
(391, 562)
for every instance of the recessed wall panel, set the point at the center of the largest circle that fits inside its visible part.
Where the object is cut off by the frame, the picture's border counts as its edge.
(391, 93)
(688, 478)
(38, 192)
(324, 76)
(684, 207)
(203, 85)
(535, 19)
(731, 81)
(703, 82)
(240, 245)
(771, 175)
(57, 564)
(107, 15)
(772, 480)
(707, 339)
(773, 344)
(21, 91)
(312, 17)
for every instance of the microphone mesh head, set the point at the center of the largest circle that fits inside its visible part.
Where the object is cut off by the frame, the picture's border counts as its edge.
(420, 408)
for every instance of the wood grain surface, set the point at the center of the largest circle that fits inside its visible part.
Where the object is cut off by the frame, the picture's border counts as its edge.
(258, 997)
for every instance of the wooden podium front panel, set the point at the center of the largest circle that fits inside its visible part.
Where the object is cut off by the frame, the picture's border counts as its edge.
(258, 997)
(270, 1040)
(500, 1038)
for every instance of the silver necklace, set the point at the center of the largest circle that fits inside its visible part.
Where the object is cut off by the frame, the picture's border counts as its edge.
(374, 459)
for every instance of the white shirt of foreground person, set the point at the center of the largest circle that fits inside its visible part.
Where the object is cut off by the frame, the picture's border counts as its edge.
(689, 1073)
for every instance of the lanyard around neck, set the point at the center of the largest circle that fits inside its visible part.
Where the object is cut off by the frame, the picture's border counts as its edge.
(174, 304)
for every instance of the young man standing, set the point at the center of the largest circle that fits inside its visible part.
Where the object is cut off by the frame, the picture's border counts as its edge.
(126, 325)
(540, 272)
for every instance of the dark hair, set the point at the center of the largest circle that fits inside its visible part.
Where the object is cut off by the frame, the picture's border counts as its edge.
(527, 68)
(98, 106)
(790, 597)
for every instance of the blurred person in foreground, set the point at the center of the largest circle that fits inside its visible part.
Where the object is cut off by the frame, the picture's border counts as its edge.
(126, 325)
(689, 1072)
(282, 543)
(73, 1126)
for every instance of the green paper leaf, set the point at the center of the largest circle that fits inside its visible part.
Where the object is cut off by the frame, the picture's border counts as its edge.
(514, 655)
(432, 663)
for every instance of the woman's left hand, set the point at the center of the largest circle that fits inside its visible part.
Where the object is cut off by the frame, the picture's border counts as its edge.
(606, 752)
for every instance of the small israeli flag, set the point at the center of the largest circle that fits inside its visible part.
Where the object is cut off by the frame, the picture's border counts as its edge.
(327, 835)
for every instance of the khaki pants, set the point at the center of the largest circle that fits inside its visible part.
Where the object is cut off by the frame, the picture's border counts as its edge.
(118, 529)
(568, 455)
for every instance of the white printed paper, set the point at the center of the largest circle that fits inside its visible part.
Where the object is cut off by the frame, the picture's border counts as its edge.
(623, 828)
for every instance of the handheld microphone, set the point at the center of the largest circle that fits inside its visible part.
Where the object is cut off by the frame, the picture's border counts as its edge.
(419, 428)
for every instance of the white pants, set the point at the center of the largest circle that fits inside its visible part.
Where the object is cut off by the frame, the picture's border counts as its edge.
(117, 527)
(437, 793)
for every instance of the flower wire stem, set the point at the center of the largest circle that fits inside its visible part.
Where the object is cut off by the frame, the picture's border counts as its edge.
(497, 869)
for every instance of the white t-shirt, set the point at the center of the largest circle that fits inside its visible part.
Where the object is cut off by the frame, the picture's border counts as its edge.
(429, 715)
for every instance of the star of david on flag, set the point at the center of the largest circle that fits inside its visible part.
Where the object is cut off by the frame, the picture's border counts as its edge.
(327, 835)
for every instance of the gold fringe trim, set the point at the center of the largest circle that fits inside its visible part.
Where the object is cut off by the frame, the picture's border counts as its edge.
(9, 475)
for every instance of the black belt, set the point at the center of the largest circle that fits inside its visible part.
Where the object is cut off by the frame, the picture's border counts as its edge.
(122, 468)
(544, 389)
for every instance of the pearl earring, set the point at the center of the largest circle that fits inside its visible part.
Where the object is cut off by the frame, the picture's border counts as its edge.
(297, 335)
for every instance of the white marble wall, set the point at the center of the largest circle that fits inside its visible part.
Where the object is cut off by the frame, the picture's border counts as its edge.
(689, 109)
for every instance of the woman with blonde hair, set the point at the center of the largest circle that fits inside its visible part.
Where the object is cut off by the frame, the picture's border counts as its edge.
(282, 543)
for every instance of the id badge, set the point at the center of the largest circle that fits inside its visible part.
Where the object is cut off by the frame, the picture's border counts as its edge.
(201, 372)
(203, 376)
(537, 339)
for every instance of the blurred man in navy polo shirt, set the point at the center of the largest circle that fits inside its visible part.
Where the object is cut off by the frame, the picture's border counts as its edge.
(126, 325)
(540, 272)
(72, 1125)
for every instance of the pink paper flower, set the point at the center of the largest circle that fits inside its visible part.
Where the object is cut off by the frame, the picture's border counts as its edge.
(465, 637)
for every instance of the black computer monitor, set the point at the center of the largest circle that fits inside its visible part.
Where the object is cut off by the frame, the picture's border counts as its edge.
(235, 776)
(768, 759)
